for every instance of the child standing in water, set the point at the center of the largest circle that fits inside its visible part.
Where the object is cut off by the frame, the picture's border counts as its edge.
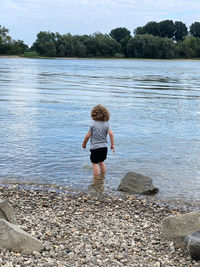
(98, 131)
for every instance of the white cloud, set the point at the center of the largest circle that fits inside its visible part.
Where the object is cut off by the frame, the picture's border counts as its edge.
(25, 18)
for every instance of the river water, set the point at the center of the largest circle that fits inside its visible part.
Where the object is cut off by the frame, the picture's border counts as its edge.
(45, 109)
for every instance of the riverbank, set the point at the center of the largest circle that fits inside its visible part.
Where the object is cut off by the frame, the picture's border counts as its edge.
(82, 229)
(9, 56)
(99, 58)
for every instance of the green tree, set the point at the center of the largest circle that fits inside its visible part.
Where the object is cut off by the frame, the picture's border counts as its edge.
(124, 44)
(63, 45)
(79, 49)
(45, 44)
(17, 47)
(151, 27)
(91, 45)
(143, 46)
(195, 29)
(139, 30)
(113, 45)
(105, 45)
(3, 32)
(180, 30)
(166, 28)
(167, 48)
(68, 45)
(5, 40)
(189, 47)
(119, 33)
(60, 45)
(150, 46)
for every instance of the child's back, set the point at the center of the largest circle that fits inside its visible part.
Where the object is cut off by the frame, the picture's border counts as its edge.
(99, 131)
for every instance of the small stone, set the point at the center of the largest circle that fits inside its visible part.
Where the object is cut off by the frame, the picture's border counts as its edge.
(68, 250)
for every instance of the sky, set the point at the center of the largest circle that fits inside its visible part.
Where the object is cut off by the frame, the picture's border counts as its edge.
(26, 18)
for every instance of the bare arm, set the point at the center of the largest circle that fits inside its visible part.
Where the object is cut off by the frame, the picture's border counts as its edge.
(111, 135)
(87, 137)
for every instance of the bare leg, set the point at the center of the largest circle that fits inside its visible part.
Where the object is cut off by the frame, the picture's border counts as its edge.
(95, 169)
(103, 167)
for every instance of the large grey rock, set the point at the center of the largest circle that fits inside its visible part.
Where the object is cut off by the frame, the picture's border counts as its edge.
(6, 211)
(193, 245)
(177, 227)
(137, 184)
(17, 240)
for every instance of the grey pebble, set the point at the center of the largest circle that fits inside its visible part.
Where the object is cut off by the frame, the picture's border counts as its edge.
(82, 229)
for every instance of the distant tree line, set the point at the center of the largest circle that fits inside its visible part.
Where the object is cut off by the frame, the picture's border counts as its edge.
(66, 45)
(9, 46)
(161, 40)
(165, 39)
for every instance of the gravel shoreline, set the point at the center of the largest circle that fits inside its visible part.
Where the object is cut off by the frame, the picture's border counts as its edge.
(84, 229)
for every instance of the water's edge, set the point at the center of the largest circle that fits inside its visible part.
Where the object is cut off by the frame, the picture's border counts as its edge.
(172, 203)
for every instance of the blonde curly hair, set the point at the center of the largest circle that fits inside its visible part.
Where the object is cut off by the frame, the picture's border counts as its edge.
(100, 113)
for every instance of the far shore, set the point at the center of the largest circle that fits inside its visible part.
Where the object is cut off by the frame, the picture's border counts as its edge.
(11, 56)
(97, 58)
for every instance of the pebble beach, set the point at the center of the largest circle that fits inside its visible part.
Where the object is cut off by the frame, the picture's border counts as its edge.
(92, 229)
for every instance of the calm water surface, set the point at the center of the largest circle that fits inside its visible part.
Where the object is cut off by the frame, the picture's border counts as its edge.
(155, 107)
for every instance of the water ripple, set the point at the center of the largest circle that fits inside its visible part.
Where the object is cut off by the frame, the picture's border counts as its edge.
(45, 113)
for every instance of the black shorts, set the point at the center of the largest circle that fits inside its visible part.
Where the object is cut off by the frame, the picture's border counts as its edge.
(98, 155)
